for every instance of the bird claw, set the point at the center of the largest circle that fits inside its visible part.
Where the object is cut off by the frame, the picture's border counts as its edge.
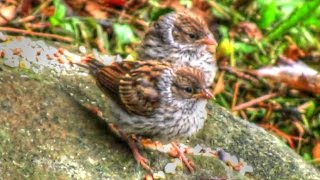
(139, 158)
(114, 128)
(181, 155)
(189, 164)
(142, 160)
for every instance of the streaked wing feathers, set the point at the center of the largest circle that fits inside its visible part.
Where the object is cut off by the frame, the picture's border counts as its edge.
(133, 85)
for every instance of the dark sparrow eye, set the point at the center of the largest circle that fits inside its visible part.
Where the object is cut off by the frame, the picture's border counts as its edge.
(192, 36)
(188, 90)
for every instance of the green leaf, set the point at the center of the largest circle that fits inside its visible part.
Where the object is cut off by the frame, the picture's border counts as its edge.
(307, 156)
(71, 25)
(157, 12)
(223, 31)
(68, 26)
(313, 20)
(244, 48)
(124, 35)
(297, 16)
(310, 110)
(103, 36)
(54, 21)
(268, 14)
(59, 13)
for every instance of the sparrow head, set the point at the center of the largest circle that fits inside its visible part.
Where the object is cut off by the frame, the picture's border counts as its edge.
(189, 28)
(189, 83)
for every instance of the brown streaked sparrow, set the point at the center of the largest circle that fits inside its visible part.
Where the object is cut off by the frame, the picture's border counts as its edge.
(183, 38)
(153, 99)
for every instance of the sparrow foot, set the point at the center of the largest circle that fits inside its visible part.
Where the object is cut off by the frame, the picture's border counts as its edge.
(139, 158)
(132, 144)
(181, 155)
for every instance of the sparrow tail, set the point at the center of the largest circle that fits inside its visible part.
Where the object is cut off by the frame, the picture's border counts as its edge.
(91, 64)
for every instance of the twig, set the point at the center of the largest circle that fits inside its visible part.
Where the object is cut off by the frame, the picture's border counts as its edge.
(268, 114)
(215, 6)
(300, 129)
(26, 19)
(280, 133)
(123, 14)
(28, 32)
(240, 74)
(243, 115)
(235, 94)
(254, 101)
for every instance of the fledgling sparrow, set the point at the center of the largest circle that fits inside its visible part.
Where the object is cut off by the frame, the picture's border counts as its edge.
(182, 38)
(153, 99)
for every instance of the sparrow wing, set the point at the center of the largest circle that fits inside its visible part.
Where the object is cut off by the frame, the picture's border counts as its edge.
(108, 78)
(133, 85)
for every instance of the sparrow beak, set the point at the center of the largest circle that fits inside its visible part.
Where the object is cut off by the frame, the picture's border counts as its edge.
(205, 94)
(208, 40)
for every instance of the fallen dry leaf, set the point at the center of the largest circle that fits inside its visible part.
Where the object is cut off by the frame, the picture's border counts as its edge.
(94, 9)
(248, 28)
(25, 7)
(316, 152)
(77, 5)
(119, 3)
(295, 75)
(219, 87)
(294, 52)
(7, 13)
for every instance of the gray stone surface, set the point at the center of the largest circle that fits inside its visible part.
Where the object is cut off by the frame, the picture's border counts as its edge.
(46, 132)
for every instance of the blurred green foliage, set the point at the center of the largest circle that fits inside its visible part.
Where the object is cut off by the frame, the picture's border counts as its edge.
(124, 35)
(59, 13)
